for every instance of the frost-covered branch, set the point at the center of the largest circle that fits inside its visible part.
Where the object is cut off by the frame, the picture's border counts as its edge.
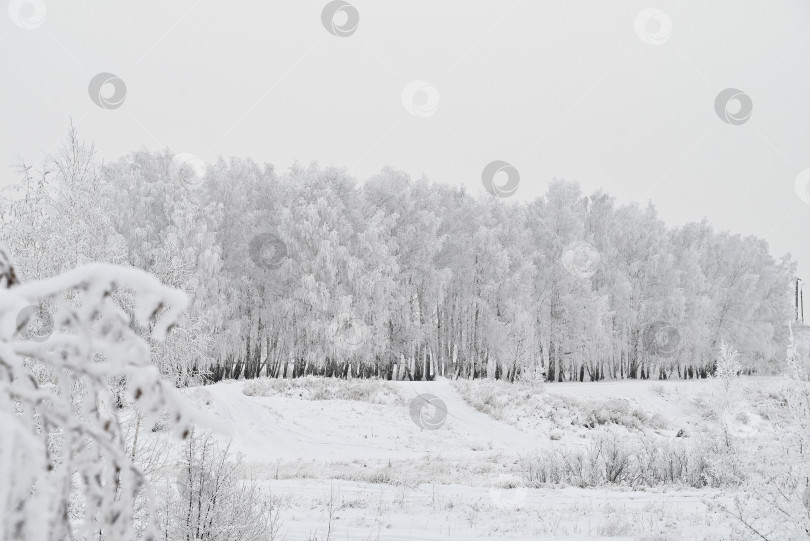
(64, 468)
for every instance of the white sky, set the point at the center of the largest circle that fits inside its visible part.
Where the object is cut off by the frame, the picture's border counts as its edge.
(558, 89)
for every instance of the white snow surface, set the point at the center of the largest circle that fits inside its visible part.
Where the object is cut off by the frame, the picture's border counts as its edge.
(391, 479)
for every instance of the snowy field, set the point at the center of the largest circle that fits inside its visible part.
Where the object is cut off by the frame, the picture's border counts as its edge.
(345, 460)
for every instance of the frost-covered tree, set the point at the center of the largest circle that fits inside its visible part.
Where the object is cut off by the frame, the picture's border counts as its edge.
(65, 472)
(728, 366)
(727, 371)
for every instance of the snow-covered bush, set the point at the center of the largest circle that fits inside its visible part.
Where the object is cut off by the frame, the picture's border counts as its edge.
(65, 470)
(210, 502)
(373, 391)
(618, 412)
(513, 402)
(614, 459)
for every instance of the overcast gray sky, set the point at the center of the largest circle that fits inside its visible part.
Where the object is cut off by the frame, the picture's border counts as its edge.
(584, 91)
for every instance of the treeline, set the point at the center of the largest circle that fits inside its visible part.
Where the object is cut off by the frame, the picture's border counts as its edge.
(311, 272)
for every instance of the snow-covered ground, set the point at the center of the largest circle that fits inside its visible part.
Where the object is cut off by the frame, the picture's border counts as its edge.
(452, 511)
(384, 477)
(281, 427)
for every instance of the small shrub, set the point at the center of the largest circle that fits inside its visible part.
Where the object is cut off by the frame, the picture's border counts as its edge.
(381, 476)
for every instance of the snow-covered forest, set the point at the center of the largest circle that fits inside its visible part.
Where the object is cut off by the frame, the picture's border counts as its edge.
(313, 271)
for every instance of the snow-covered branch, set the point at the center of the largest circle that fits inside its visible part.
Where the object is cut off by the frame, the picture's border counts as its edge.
(64, 469)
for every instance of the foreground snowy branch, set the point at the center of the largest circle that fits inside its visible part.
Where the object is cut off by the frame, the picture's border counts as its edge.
(64, 469)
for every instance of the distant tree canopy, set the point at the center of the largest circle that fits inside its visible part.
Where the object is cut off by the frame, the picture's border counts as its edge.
(310, 272)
